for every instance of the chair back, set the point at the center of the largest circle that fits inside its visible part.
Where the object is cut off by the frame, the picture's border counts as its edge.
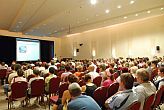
(62, 88)
(81, 83)
(37, 88)
(54, 85)
(99, 95)
(149, 102)
(134, 106)
(158, 97)
(97, 81)
(29, 77)
(3, 73)
(112, 89)
(46, 75)
(59, 73)
(115, 75)
(19, 90)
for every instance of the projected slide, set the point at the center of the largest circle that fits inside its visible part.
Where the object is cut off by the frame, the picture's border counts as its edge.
(28, 50)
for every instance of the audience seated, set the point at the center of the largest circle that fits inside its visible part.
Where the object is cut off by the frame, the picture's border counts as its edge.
(29, 71)
(125, 97)
(92, 73)
(66, 95)
(90, 87)
(65, 74)
(160, 78)
(36, 74)
(108, 79)
(145, 87)
(79, 101)
(52, 74)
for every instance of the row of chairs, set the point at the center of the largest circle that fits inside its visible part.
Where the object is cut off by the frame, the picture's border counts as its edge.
(20, 90)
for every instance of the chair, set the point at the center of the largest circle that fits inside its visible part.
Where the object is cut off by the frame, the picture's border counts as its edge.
(62, 88)
(3, 74)
(46, 75)
(16, 92)
(115, 75)
(81, 83)
(158, 97)
(97, 81)
(99, 95)
(134, 106)
(29, 77)
(112, 89)
(37, 89)
(149, 102)
(53, 87)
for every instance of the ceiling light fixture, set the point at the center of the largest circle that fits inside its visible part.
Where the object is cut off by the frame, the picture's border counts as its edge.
(136, 14)
(125, 17)
(119, 6)
(107, 11)
(148, 11)
(132, 2)
(161, 9)
(93, 2)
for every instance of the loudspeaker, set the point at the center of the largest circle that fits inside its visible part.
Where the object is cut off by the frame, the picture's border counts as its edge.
(158, 48)
(80, 44)
(77, 50)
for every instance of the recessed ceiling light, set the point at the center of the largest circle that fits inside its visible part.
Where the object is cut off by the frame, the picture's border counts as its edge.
(125, 17)
(148, 11)
(161, 9)
(93, 2)
(131, 2)
(107, 11)
(136, 14)
(119, 6)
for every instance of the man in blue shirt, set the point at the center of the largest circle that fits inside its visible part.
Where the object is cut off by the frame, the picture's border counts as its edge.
(79, 101)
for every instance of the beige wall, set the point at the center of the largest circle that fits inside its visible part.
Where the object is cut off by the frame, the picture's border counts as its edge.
(57, 41)
(136, 38)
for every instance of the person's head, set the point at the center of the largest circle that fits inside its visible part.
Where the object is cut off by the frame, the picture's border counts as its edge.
(102, 67)
(91, 68)
(148, 63)
(51, 70)
(87, 78)
(142, 75)
(154, 63)
(74, 89)
(3, 63)
(17, 66)
(52, 62)
(72, 78)
(161, 71)
(79, 68)
(126, 81)
(36, 72)
(29, 66)
(67, 68)
(20, 72)
(133, 70)
(46, 66)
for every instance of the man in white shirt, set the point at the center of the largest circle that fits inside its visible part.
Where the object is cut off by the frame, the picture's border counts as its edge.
(145, 87)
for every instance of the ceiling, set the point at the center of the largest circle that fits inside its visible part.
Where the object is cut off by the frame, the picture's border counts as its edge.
(62, 17)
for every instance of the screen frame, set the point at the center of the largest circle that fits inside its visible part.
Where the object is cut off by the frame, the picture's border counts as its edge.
(28, 39)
